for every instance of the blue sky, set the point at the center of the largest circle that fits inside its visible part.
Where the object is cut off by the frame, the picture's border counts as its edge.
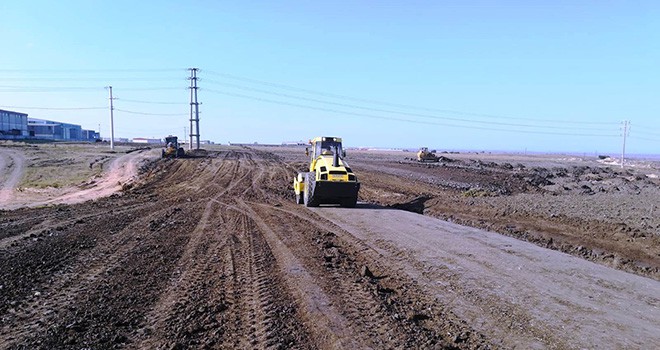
(477, 75)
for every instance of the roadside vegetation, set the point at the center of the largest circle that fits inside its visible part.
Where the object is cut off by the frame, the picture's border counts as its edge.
(56, 165)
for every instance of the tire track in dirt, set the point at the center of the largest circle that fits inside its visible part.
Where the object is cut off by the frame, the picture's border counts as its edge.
(264, 332)
(195, 275)
(514, 291)
(225, 279)
(194, 266)
(361, 311)
(130, 282)
(18, 221)
(107, 260)
(220, 257)
(330, 328)
(365, 308)
(42, 225)
(12, 164)
(34, 261)
(388, 301)
(80, 276)
(264, 311)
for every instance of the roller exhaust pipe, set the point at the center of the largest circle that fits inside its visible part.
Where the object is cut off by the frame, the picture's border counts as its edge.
(335, 157)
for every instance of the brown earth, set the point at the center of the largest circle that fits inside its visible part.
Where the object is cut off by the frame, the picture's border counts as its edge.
(212, 253)
(598, 212)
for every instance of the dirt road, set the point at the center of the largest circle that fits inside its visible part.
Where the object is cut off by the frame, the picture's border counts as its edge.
(514, 291)
(122, 170)
(213, 253)
(12, 164)
(119, 172)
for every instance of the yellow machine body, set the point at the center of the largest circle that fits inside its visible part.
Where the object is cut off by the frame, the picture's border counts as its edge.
(329, 180)
(424, 155)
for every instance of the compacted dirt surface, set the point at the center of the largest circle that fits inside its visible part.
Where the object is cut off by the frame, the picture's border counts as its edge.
(11, 168)
(212, 252)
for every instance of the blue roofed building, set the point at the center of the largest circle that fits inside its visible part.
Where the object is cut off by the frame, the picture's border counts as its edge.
(59, 131)
(13, 125)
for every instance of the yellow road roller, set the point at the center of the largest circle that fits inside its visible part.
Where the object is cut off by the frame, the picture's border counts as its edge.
(329, 180)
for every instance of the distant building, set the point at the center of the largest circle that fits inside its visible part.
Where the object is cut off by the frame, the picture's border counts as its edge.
(52, 130)
(91, 135)
(295, 143)
(206, 142)
(13, 125)
(117, 139)
(146, 140)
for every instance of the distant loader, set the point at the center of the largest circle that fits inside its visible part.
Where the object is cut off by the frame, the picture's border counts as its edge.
(424, 155)
(172, 149)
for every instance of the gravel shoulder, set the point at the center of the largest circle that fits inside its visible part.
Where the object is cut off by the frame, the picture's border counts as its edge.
(523, 295)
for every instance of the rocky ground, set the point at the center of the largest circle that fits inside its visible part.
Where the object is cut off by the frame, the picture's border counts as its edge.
(211, 252)
(586, 208)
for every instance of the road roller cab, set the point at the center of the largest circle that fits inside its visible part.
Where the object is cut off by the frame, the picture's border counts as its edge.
(329, 180)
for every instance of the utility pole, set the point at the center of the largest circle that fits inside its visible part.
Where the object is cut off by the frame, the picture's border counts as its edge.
(194, 108)
(112, 123)
(625, 133)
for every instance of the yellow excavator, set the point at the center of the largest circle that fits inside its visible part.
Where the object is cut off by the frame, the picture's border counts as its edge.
(329, 180)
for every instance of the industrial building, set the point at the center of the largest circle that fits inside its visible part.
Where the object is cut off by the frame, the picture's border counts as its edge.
(58, 131)
(17, 126)
(147, 140)
(13, 125)
(117, 139)
(91, 135)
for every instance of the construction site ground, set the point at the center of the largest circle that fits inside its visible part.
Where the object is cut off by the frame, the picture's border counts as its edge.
(477, 251)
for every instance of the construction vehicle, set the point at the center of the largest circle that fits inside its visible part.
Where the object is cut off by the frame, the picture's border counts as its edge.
(329, 180)
(424, 155)
(172, 149)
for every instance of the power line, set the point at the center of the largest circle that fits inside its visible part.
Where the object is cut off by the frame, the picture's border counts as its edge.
(51, 87)
(643, 132)
(152, 89)
(149, 131)
(152, 102)
(400, 119)
(398, 112)
(54, 108)
(101, 79)
(646, 126)
(644, 138)
(145, 113)
(404, 106)
(109, 70)
(73, 88)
